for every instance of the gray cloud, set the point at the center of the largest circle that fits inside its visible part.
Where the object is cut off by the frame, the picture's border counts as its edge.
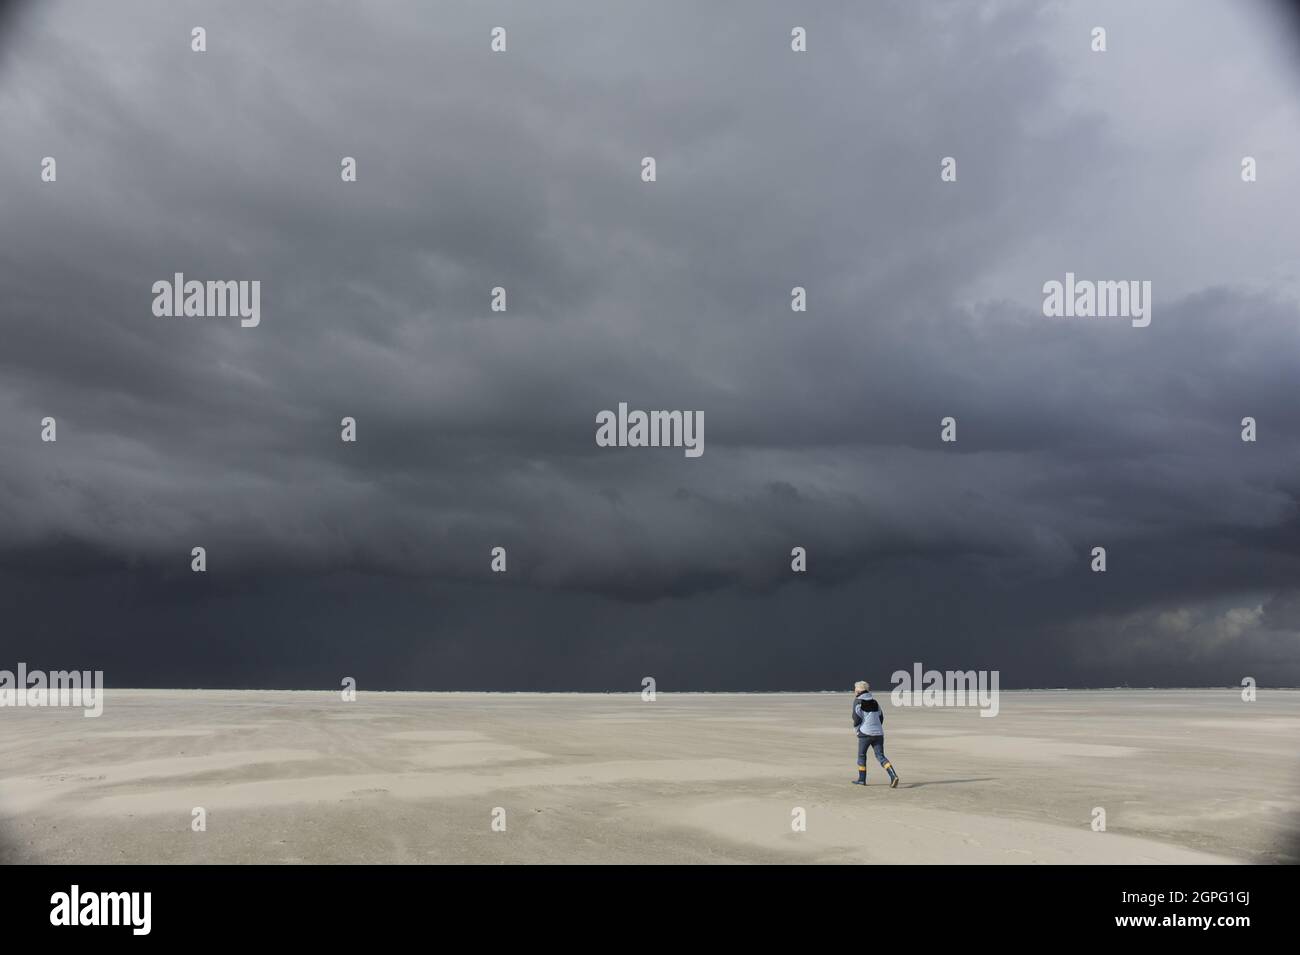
(476, 429)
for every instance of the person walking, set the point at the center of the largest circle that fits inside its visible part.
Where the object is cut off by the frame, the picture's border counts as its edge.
(869, 722)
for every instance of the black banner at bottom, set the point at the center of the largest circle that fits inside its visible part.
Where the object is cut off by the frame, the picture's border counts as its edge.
(217, 903)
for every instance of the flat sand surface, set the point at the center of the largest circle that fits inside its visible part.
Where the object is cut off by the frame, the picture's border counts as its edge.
(1184, 776)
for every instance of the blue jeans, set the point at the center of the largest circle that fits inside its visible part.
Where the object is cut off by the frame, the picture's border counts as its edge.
(878, 744)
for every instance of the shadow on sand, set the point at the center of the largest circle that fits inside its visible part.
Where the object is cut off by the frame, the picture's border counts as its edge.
(946, 782)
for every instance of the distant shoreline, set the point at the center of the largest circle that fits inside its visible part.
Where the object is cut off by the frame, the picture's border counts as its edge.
(636, 692)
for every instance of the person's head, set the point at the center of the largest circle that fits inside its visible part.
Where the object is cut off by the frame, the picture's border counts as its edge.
(862, 686)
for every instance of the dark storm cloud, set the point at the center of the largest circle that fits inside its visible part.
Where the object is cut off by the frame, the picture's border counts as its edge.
(476, 429)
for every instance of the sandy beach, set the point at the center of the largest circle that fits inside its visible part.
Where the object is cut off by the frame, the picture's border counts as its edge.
(1184, 776)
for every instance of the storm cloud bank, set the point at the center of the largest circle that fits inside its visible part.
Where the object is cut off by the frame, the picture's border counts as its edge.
(775, 169)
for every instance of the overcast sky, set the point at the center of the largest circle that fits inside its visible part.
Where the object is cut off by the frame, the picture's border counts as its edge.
(822, 429)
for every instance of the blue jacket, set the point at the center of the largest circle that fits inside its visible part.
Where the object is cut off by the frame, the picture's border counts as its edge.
(868, 718)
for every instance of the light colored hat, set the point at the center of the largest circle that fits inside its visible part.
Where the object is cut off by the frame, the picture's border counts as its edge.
(861, 686)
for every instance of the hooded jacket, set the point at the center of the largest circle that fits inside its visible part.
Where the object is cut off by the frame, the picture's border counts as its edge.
(868, 718)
